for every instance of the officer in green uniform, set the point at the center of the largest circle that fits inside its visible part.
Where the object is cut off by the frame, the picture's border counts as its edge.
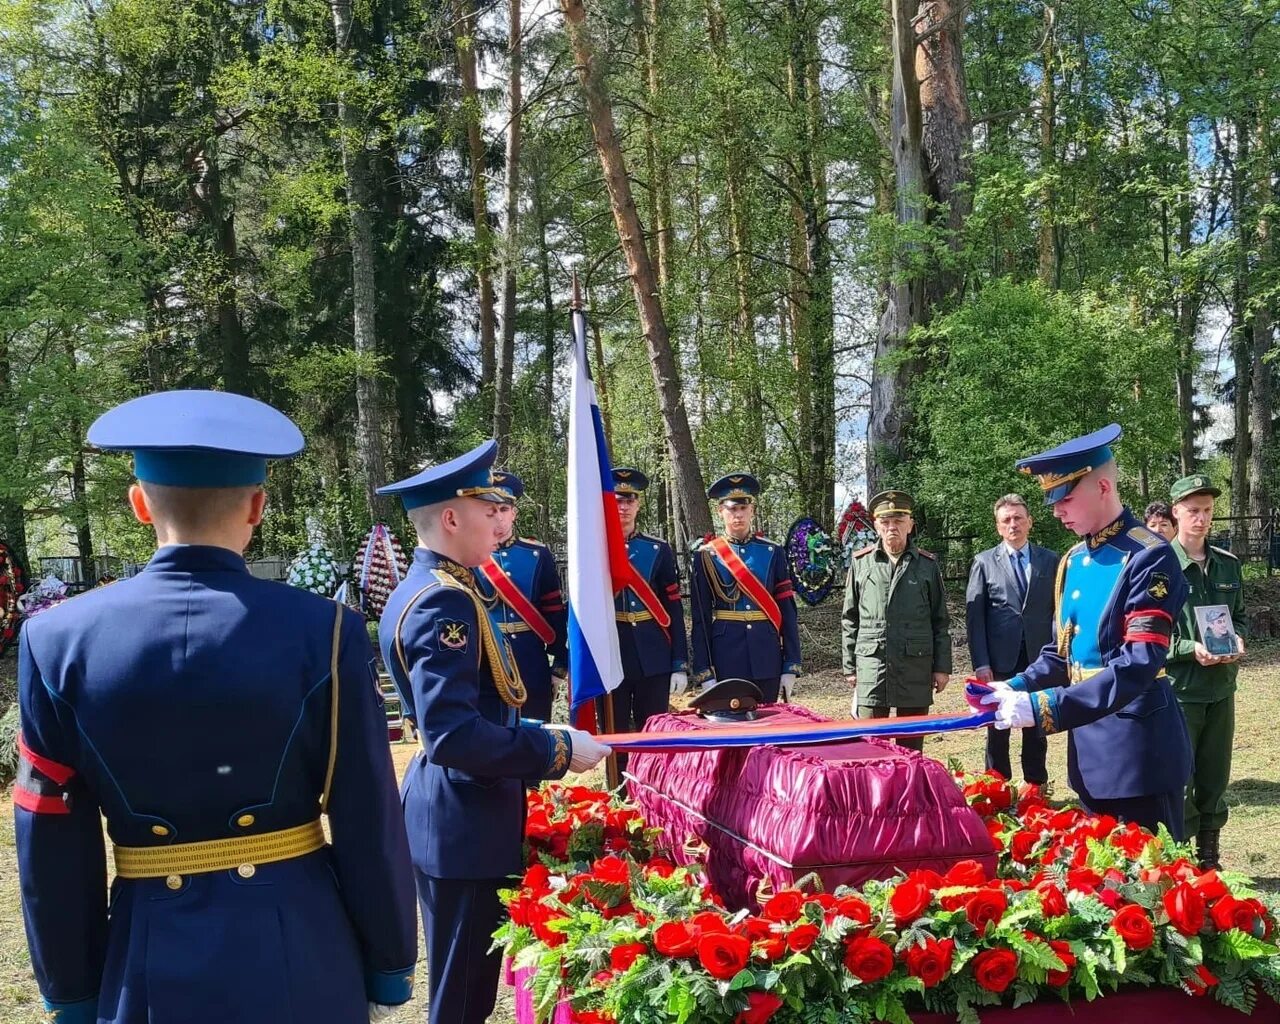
(897, 649)
(1205, 682)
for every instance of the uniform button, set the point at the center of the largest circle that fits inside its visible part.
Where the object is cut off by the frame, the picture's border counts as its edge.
(748, 606)
(748, 625)
(245, 820)
(159, 830)
(246, 871)
(174, 882)
(1086, 560)
(1075, 595)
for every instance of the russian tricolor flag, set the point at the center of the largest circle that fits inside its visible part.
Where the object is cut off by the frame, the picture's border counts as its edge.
(598, 563)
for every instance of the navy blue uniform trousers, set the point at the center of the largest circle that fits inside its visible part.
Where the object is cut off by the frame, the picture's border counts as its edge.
(459, 917)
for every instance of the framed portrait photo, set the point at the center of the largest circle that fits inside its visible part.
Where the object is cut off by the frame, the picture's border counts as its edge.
(1217, 631)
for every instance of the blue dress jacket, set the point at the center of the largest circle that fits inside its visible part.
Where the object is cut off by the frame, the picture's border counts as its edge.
(464, 795)
(648, 649)
(192, 703)
(1102, 678)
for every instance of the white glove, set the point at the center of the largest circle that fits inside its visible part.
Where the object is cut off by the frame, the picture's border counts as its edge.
(679, 682)
(587, 753)
(708, 683)
(1013, 708)
(787, 684)
(380, 1011)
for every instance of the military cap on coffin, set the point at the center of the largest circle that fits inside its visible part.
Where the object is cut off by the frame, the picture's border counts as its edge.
(734, 489)
(510, 484)
(729, 700)
(467, 476)
(1059, 469)
(198, 438)
(628, 480)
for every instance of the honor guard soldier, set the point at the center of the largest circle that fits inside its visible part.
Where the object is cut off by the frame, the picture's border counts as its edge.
(743, 602)
(522, 587)
(897, 644)
(1103, 682)
(464, 793)
(650, 616)
(211, 717)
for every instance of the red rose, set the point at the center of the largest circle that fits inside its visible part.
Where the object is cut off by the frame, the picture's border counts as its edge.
(1023, 843)
(1083, 879)
(673, 939)
(930, 962)
(1058, 978)
(612, 871)
(537, 879)
(986, 906)
(994, 828)
(590, 1017)
(771, 947)
(1229, 912)
(760, 1007)
(856, 910)
(1131, 840)
(1134, 926)
(1201, 981)
(868, 959)
(540, 918)
(1185, 907)
(723, 955)
(910, 899)
(785, 907)
(708, 922)
(1053, 902)
(1110, 898)
(995, 969)
(621, 910)
(1210, 886)
(659, 866)
(623, 956)
(802, 936)
(966, 872)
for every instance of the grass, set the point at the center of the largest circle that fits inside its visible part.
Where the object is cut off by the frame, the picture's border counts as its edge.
(1250, 842)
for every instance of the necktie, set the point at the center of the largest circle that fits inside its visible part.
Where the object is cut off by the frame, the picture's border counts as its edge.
(1019, 573)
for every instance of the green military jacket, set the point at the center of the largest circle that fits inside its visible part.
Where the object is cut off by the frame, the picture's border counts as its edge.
(1219, 582)
(895, 626)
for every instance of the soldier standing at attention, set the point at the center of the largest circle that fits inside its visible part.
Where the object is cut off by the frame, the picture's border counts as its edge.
(897, 647)
(650, 614)
(1103, 681)
(464, 793)
(743, 601)
(211, 717)
(520, 583)
(1204, 679)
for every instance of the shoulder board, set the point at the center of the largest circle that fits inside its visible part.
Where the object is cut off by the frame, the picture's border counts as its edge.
(1074, 548)
(701, 542)
(864, 551)
(1145, 537)
(1224, 553)
(764, 540)
(927, 554)
(532, 543)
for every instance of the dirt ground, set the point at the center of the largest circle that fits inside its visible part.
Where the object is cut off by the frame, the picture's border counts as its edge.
(1250, 842)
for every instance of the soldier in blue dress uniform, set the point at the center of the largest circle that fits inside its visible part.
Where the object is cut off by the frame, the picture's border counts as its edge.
(654, 651)
(1102, 681)
(743, 601)
(211, 717)
(521, 585)
(464, 793)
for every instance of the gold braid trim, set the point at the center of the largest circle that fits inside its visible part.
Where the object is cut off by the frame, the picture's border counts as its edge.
(729, 596)
(509, 685)
(1066, 630)
(1044, 712)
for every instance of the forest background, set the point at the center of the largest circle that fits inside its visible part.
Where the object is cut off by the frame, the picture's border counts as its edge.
(842, 245)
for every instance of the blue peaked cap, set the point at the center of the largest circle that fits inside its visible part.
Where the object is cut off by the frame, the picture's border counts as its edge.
(198, 438)
(467, 476)
(629, 480)
(510, 484)
(1059, 469)
(737, 487)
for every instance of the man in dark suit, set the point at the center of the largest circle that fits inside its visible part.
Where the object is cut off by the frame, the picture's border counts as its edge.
(1009, 611)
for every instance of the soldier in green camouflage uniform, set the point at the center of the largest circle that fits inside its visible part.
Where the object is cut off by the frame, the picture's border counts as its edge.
(897, 648)
(1205, 683)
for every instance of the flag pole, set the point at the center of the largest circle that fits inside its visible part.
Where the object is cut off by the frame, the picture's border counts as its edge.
(613, 777)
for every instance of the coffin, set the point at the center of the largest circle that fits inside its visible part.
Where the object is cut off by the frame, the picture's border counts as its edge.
(847, 812)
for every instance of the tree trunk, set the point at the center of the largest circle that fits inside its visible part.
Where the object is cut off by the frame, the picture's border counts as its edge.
(78, 512)
(930, 130)
(511, 241)
(13, 523)
(464, 39)
(1047, 242)
(1242, 334)
(1187, 304)
(666, 374)
(364, 296)
(1262, 455)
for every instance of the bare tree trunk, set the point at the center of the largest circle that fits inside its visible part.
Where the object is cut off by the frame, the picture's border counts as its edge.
(511, 241)
(13, 523)
(930, 130)
(1047, 234)
(78, 513)
(1262, 454)
(364, 297)
(1186, 309)
(548, 342)
(666, 373)
(1242, 334)
(464, 40)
